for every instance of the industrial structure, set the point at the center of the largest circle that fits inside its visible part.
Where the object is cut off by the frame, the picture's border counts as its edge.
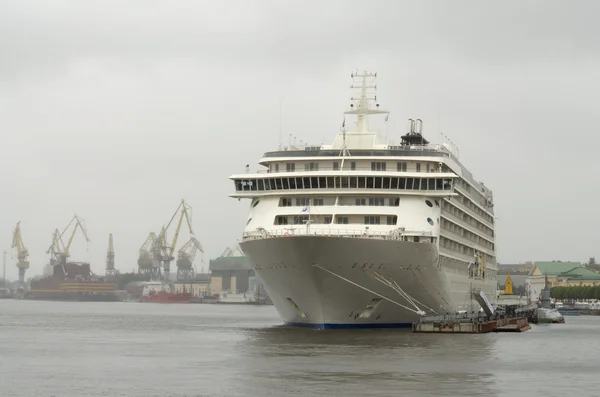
(231, 271)
(185, 259)
(146, 264)
(22, 254)
(58, 250)
(110, 258)
(156, 254)
(70, 280)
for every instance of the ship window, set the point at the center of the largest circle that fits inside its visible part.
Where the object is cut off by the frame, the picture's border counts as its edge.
(344, 180)
(401, 183)
(292, 182)
(361, 201)
(249, 220)
(394, 202)
(386, 183)
(447, 184)
(418, 167)
(336, 165)
(281, 220)
(353, 182)
(301, 201)
(290, 167)
(361, 182)
(322, 182)
(430, 221)
(255, 203)
(431, 183)
(370, 182)
(306, 182)
(261, 184)
(416, 238)
(378, 182)
(276, 167)
(401, 167)
(428, 203)
(423, 184)
(300, 219)
(372, 220)
(330, 184)
(267, 185)
(311, 166)
(327, 219)
(392, 220)
(314, 182)
(409, 183)
(285, 202)
(416, 183)
(342, 220)
(278, 183)
(285, 183)
(378, 166)
(376, 201)
(317, 202)
(353, 165)
(438, 184)
(394, 183)
(299, 183)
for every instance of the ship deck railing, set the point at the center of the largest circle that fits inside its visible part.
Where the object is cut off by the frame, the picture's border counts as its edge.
(404, 235)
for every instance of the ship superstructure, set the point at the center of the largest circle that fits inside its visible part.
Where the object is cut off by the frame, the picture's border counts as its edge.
(366, 233)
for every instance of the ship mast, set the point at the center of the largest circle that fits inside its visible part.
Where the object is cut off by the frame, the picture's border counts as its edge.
(365, 89)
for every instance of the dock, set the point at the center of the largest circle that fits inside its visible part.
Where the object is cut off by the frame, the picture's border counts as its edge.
(464, 324)
(474, 323)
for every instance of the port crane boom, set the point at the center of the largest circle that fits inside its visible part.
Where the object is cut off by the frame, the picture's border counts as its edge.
(165, 251)
(22, 253)
(185, 260)
(145, 259)
(58, 250)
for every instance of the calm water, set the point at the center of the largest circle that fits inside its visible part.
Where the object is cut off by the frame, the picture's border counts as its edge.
(136, 349)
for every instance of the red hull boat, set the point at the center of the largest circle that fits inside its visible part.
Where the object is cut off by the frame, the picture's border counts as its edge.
(166, 297)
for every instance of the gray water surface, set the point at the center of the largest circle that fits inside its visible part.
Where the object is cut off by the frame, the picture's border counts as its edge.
(68, 349)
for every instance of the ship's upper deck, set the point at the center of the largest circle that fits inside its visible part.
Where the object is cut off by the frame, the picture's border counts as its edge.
(363, 150)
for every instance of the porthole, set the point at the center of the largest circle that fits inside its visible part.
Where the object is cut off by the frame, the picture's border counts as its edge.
(249, 220)
(428, 203)
(255, 203)
(430, 221)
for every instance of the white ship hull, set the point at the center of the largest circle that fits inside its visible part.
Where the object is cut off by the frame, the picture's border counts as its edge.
(331, 282)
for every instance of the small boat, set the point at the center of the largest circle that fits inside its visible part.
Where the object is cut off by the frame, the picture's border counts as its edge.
(158, 292)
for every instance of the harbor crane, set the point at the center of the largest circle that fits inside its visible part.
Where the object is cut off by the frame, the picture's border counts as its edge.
(162, 250)
(58, 250)
(110, 258)
(22, 254)
(231, 252)
(145, 259)
(185, 259)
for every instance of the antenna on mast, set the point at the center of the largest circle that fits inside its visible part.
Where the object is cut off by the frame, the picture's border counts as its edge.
(365, 89)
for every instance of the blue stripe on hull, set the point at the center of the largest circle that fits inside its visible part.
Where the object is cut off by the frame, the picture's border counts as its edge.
(349, 326)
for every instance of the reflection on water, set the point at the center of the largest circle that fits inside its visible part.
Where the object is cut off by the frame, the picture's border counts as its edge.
(135, 349)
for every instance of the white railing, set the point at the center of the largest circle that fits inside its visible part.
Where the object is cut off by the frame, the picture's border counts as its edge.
(396, 234)
(346, 169)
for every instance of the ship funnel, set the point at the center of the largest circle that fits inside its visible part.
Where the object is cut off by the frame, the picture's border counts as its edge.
(419, 126)
(411, 126)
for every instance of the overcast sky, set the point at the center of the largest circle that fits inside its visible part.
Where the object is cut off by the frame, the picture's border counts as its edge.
(117, 110)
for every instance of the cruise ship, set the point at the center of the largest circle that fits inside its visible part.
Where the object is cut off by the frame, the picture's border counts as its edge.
(368, 233)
